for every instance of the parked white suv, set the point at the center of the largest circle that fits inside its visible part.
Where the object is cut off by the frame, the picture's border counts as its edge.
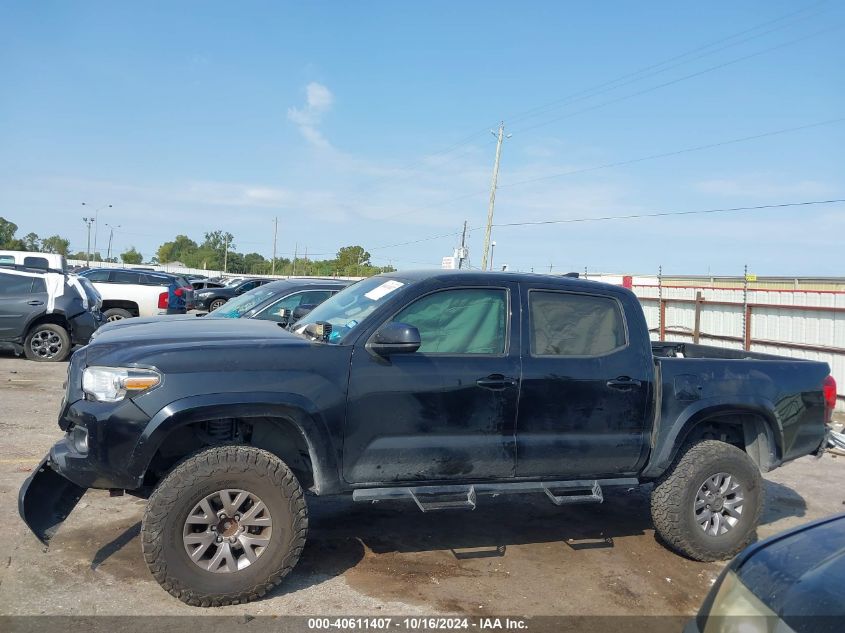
(130, 293)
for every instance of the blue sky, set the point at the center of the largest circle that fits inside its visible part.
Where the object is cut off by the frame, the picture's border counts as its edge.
(194, 116)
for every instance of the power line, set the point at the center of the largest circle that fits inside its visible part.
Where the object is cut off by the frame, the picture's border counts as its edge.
(616, 217)
(621, 163)
(601, 88)
(686, 150)
(663, 66)
(679, 79)
(660, 214)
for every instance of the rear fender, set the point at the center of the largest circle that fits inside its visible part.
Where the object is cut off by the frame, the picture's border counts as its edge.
(291, 407)
(668, 441)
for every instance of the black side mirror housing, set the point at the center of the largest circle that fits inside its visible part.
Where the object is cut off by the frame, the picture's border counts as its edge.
(301, 310)
(395, 338)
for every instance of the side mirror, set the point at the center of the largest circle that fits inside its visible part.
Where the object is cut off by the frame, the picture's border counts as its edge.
(395, 338)
(301, 311)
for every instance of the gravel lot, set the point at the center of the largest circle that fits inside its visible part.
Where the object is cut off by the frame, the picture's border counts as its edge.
(518, 557)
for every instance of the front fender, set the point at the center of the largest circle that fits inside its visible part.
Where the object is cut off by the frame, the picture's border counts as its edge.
(669, 438)
(302, 413)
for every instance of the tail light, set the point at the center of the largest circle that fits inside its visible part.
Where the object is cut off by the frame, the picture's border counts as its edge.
(829, 391)
(162, 301)
(179, 292)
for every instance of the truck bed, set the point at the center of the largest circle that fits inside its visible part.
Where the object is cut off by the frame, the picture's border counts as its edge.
(671, 349)
(783, 394)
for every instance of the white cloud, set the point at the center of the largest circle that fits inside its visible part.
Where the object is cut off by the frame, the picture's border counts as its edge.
(318, 101)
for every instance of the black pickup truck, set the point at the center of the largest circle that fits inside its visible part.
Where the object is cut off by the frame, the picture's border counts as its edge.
(436, 387)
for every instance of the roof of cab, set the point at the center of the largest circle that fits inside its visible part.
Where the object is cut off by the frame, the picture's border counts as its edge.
(563, 281)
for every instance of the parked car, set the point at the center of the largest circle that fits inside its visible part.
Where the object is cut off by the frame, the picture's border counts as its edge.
(790, 582)
(41, 261)
(203, 284)
(44, 313)
(130, 293)
(276, 301)
(437, 387)
(212, 298)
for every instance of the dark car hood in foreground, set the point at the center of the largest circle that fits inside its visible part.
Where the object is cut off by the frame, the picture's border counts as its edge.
(162, 318)
(127, 344)
(800, 573)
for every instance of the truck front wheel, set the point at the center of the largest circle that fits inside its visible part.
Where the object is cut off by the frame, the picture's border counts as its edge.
(708, 503)
(225, 526)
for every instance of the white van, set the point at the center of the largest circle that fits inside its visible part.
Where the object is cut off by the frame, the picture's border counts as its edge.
(41, 261)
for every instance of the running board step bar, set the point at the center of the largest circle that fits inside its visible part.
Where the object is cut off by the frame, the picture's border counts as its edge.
(464, 496)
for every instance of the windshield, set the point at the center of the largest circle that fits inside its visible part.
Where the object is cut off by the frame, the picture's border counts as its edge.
(237, 307)
(350, 306)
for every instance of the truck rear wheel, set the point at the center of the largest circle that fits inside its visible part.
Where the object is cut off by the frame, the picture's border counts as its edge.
(707, 506)
(225, 526)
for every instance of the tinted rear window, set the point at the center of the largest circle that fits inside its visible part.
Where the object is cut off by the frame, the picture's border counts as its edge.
(566, 324)
(15, 284)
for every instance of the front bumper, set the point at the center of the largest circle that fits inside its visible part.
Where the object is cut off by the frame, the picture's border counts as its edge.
(53, 489)
(202, 303)
(46, 499)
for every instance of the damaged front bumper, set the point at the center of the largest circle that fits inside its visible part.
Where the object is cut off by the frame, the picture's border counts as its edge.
(53, 489)
(46, 499)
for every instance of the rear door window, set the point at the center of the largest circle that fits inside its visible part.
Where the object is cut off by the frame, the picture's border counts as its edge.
(98, 276)
(15, 285)
(124, 277)
(39, 285)
(569, 324)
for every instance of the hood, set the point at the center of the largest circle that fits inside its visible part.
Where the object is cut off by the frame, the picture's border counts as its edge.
(799, 573)
(142, 341)
(165, 318)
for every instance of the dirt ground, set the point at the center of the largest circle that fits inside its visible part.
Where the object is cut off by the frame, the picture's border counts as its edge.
(510, 556)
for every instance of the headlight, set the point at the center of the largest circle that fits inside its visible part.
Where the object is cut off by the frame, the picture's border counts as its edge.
(736, 609)
(112, 384)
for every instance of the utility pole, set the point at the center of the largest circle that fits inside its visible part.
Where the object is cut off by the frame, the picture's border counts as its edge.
(112, 227)
(96, 221)
(462, 255)
(225, 253)
(295, 251)
(88, 222)
(275, 234)
(500, 137)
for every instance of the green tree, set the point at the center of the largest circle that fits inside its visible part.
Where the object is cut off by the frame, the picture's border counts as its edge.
(256, 264)
(178, 250)
(54, 244)
(32, 242)
(351, 259)
(131, 256)
(7, 233)
(219, 241)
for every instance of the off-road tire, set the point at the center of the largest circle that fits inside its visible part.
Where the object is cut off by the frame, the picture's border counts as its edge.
(52, 330)
(242, 467)
(673, 501)
(117, 314)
